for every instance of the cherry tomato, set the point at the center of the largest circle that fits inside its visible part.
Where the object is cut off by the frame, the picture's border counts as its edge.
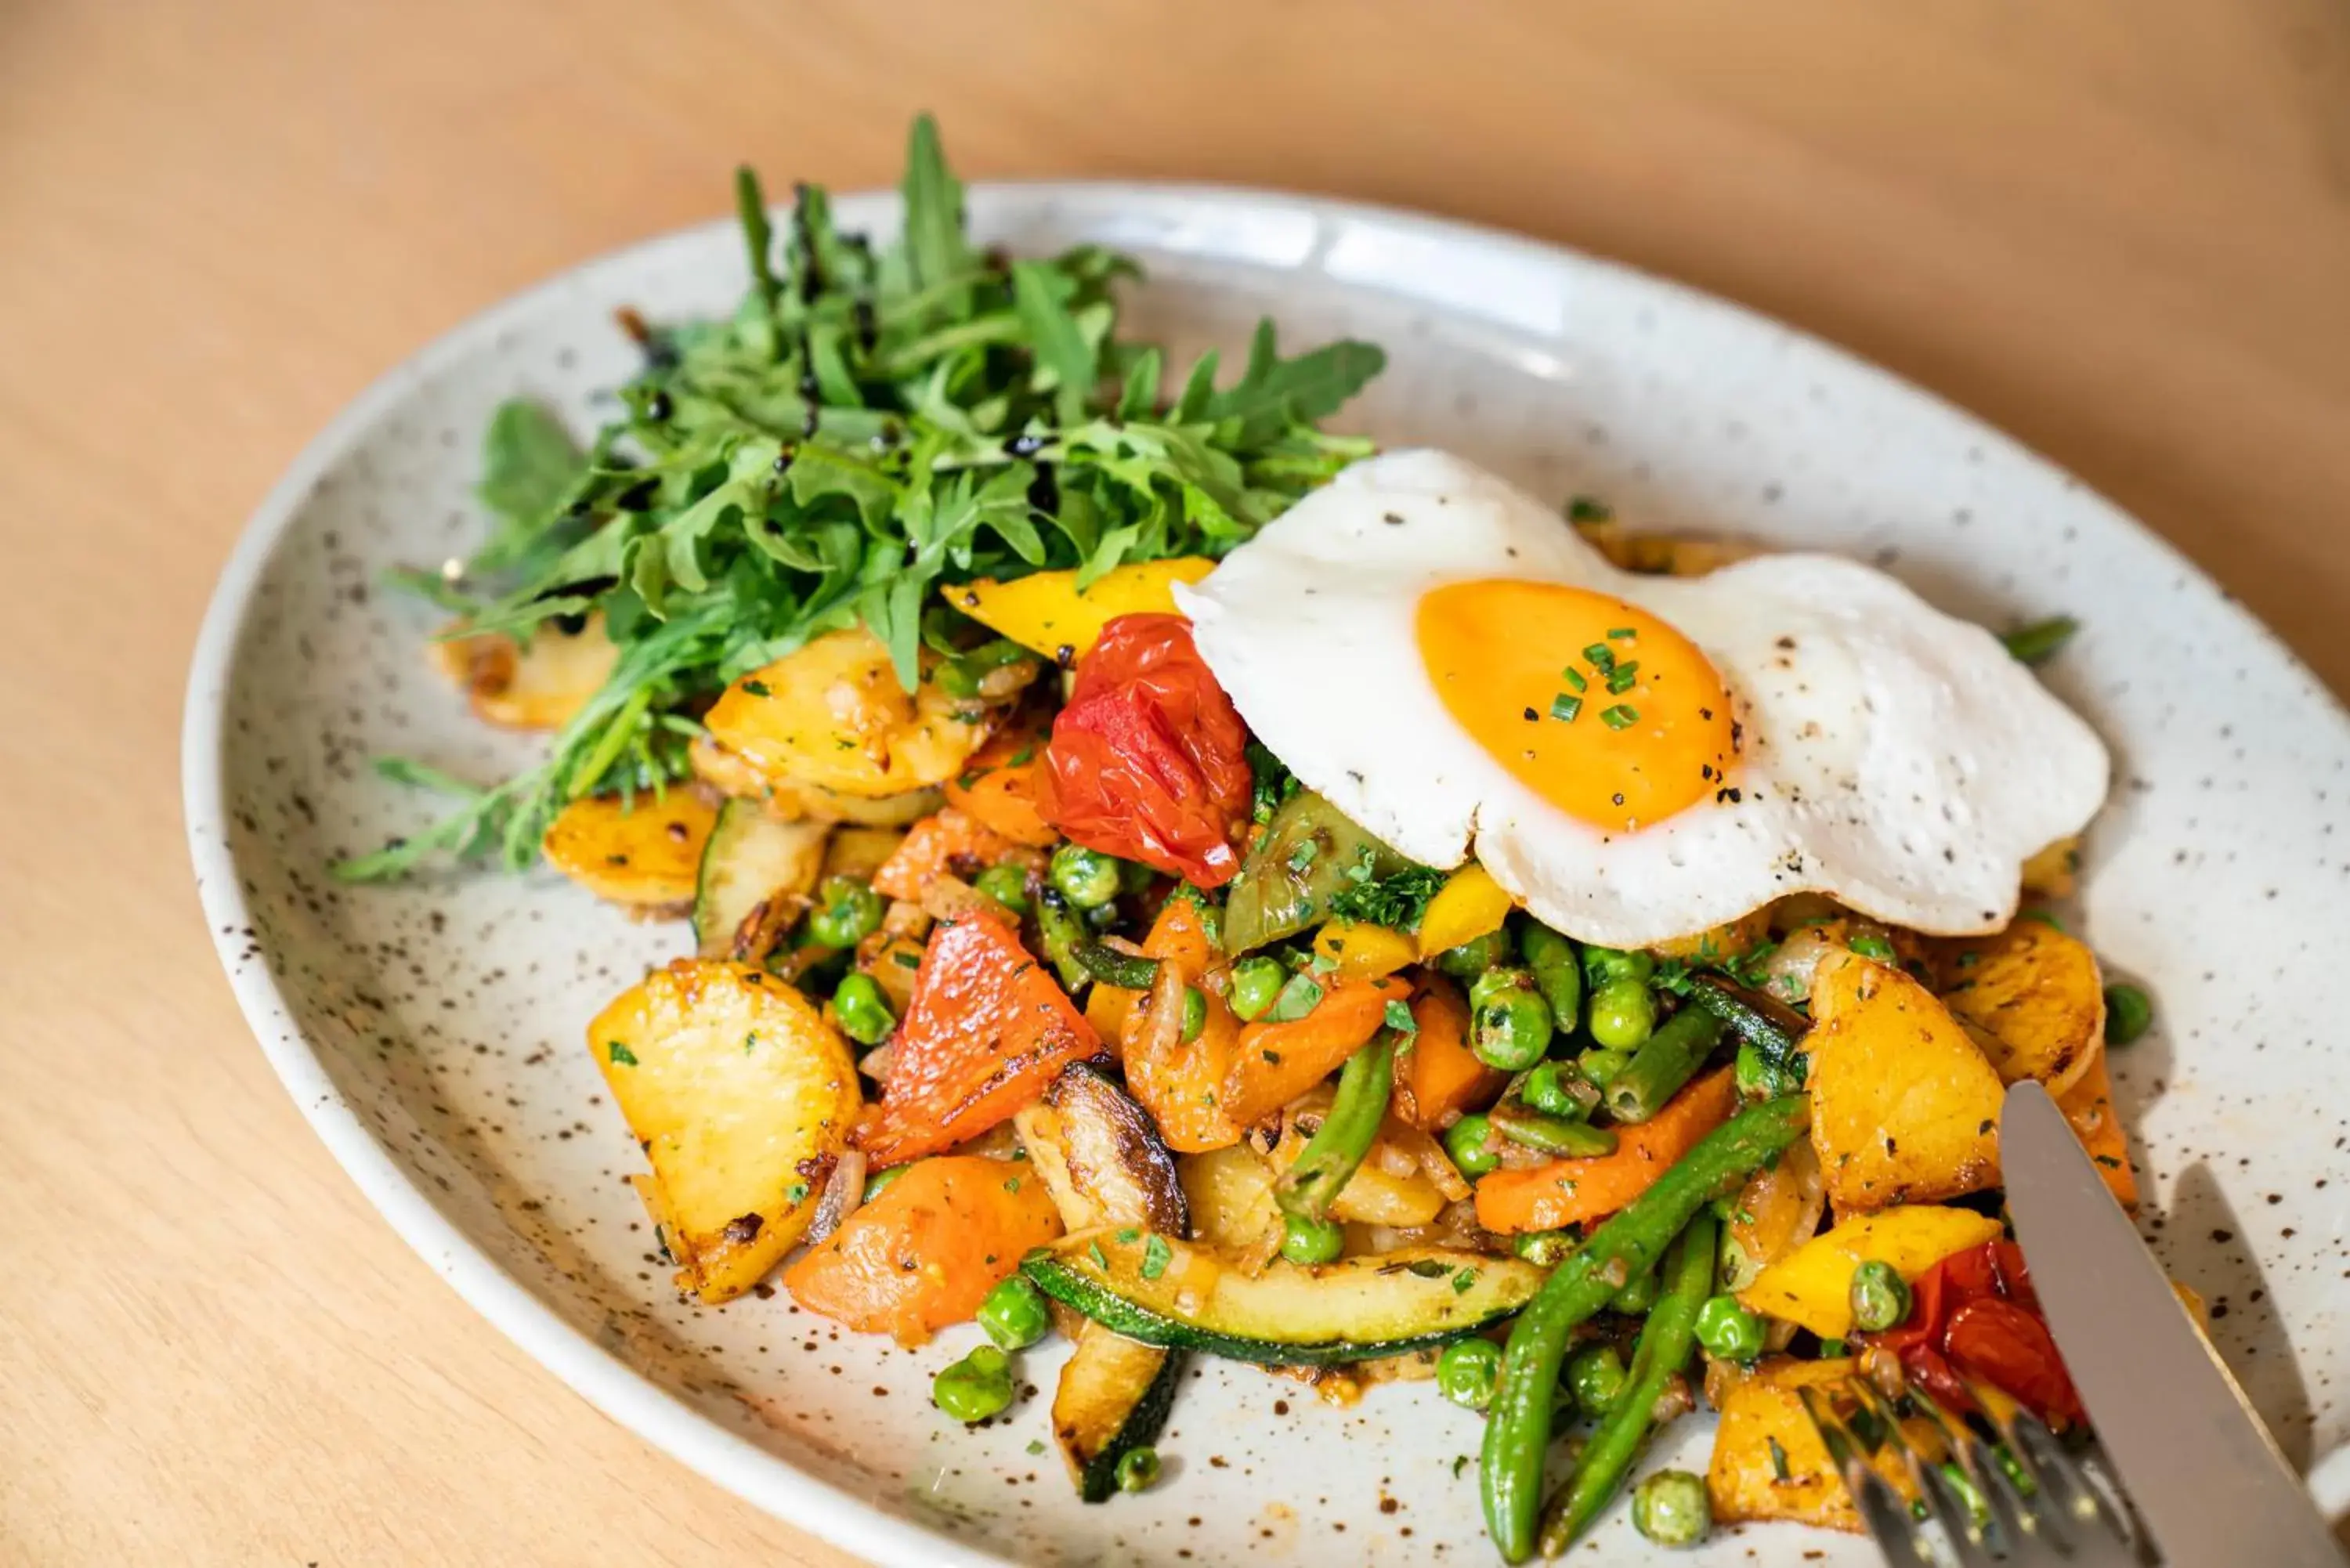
(1974, 1314)
(1149, 759)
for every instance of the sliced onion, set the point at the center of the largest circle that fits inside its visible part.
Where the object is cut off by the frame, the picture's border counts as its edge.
(1161, 1012)
(1787, 972)
(843, 1190)
(875, 1064)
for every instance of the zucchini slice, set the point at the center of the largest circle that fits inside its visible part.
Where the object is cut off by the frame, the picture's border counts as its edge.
(1113, 1399)
(1170, 1292)
(1101, 1157)
(751, 856)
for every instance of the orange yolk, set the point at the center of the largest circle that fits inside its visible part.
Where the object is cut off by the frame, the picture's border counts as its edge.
(1603, 710)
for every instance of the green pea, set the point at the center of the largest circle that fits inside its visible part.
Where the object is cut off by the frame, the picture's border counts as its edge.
(1514, 1023)
(1671, 1508)
(1475, 956)
(879, 1182)
(1256, 985)
(1595, 1376)
(1195, 1012)
(864, 1012)
(1087, 878)
(2129, 1013)
(847, 911)
(1138, 1468)
(1134, 877)
(1623, 1014)
(1606, 966)
(1468, 1371)
(1465, 1141)
(977, 1387)
(1600, 1065)
(1639, 1293)
(1014, 1315)
(1007, 885)
(1556, 1089)
(1311, 1241)
(1543, 1249)
(1728, 1331)
(1880, 1297)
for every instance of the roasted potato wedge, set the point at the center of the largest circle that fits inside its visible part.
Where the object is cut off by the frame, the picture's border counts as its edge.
(2056, 871)
(1904, 1108)
(2033, 999)
(1230, 1195)
(1769, 1461)
(832, 716)
(742, 1098)
(647, 854)
(539, 687)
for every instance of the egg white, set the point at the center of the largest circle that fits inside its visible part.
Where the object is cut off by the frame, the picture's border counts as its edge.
(1894, 757)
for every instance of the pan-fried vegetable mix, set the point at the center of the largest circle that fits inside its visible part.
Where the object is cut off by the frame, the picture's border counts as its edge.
(1029, 990)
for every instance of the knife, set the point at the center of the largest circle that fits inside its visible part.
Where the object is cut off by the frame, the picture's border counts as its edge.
(2193, 1457)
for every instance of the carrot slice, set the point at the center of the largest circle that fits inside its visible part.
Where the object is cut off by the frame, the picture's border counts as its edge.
(988, 1028)
(1575, 1191)
(944, 842)
(1278, 1062)
(1438, 1077)
(1182, 1086)
(2088, 1104)
(997, 790)
(926, 1252)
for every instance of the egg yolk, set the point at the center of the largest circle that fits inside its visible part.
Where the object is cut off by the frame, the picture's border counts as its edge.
(1606, 711)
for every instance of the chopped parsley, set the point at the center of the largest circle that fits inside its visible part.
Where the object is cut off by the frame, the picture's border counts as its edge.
(1869, 945)
(1155, 1255)
(1301, 996)
(1398, 902)
(620, 1053)
(1399, 1019)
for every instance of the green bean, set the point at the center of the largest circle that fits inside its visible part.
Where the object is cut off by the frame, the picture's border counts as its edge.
(1629, 1244)
(1669, 1058)
(1639, 1298)
(1063, 931)
(1600, 1065)
(1111, 967)
(1558, 969)
(1552, 1135)
(1338, 1146)
(1666, 1341)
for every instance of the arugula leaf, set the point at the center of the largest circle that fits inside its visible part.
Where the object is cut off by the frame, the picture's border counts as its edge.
(870, 427)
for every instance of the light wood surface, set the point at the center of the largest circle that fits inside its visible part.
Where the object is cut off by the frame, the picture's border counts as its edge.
(2118, 228)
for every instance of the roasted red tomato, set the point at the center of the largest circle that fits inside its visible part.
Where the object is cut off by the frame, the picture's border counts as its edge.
(1974, 1314)
(986, 1031)
(1148, 760)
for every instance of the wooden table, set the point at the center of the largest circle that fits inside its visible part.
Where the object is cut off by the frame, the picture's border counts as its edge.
(2118, 228)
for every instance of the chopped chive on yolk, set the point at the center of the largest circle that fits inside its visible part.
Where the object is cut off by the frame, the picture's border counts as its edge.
(1497, 649)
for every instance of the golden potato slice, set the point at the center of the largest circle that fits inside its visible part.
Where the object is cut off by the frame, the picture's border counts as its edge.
(2055, 872)
(1229, 1191)
(1905, 1109)
(536, 687)
(2033, 999)
(742, 1096)
(833, 716)
(1769, 1460)
(645, 856)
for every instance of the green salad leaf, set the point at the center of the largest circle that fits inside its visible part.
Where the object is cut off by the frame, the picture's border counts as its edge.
(872, 424)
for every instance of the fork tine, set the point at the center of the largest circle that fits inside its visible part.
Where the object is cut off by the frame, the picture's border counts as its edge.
(2013, 1518)
(1882, 1508)
(1953, 1512)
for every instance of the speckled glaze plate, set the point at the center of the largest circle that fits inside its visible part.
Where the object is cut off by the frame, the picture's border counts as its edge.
(432, 1031)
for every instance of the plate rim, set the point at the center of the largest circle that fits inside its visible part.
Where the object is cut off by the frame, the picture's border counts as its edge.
(648, 1410)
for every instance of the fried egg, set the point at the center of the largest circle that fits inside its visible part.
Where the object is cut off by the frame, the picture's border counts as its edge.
(1638, 758)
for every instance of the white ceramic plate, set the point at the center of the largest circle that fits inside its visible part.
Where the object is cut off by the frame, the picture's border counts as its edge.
(432, 1032)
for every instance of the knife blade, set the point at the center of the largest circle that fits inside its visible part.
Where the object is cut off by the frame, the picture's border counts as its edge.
(2194, 1458)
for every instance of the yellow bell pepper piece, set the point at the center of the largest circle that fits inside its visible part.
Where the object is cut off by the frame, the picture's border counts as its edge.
(1467, 907)
(1812, 1286)
(1364, 952)
(1045, 612)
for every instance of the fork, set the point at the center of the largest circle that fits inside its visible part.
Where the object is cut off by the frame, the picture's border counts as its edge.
(2028, 1505)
